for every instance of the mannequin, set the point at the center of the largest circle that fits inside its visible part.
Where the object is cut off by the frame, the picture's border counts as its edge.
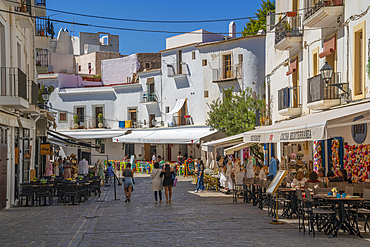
(49, 168)
(250, 173)
(83, 167)
(229, 169)
(56, 168)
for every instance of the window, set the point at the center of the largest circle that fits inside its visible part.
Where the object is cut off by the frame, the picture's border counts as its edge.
(359, 60)
(227, 66)
(147, 65)
(98, 110)
(315, 67)
(80, 112)
(89, 65)
(167, 109)
(152, 121)
(205, 94)
(179, 62)
(79, 68)
(193, 55)
(102, 148)
(132, 114)
(63, 117)
(204, 62)
(240, 56)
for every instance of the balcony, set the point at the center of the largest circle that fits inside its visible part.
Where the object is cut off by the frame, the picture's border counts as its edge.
(148, 98)
(176, 70)
(323, 14)
(182, 120)
(33, 94)
(227, 74)
(13, 88)
(42, 60)
(288, 33)
(12, 3)
(44, 27)
(289, 101)
(40, 8)
(320, 96)
(24, 18)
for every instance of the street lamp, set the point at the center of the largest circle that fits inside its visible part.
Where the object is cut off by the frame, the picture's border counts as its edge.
(45, 96)
(327, 73)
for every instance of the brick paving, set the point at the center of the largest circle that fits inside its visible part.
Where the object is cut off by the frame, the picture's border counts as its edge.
(207, 219)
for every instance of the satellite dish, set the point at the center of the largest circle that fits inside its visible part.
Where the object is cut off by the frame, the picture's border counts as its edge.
(154, 122)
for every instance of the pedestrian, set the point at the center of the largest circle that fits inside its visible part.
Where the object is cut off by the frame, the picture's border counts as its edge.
(128, 176)
(168, 176)
(157, 184)
(159, 158)
(180, 158)
(200, 168)
(272, 168)
(154, 157)
(141, 158)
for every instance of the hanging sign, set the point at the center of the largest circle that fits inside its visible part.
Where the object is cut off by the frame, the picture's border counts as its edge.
(45, 149)
(359, 131)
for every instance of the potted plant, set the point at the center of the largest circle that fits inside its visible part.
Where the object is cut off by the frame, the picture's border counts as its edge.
(100, 120)
(291, 14)
(42, 32)
(23, 7)
(75, 121)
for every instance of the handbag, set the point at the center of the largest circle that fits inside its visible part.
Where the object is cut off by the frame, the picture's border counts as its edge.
(174, 182)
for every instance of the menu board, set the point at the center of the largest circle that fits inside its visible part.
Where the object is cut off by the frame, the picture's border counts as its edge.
(278, 179)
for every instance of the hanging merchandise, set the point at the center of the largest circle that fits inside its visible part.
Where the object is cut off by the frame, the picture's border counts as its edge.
(357, 162)
(317, 155)
(335, 156)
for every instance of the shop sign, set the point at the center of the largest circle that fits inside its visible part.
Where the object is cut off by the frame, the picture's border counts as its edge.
(45, 149)
(359, 131)
(297, 135)
(255, 138)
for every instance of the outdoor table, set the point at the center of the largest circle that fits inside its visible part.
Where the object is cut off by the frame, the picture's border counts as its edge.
(344, 217)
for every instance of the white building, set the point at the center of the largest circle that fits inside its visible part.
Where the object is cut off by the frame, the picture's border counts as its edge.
(310, 115)
(18, 100)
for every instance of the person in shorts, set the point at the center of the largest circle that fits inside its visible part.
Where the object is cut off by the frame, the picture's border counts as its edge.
(128, 183)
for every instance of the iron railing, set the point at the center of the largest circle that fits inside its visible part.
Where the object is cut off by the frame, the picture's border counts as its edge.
(42, 57)
(13, 82)
(288, 27)
(182, 120)
(28, 5)
(318, 90)
(148, 97)
(40, 2)
(289, 97)
(311, 10)
(227, 73)
(44, 27)
(176, 69)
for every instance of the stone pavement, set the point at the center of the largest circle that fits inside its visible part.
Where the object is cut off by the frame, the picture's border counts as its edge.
(206, 219)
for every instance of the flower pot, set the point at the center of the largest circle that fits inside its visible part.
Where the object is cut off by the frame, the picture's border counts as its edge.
(337, 2)
(75, 126)
(97, 79)
(291, 14)
(23, 9)
(100, 125)
(42, 33)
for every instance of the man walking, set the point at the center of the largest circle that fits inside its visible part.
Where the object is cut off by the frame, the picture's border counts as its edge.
(200, 167)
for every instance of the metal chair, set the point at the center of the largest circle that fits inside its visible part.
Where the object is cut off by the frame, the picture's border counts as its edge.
(27, 192)
(44, 191)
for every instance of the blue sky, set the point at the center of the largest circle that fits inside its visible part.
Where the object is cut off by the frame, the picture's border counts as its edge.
(133, 42)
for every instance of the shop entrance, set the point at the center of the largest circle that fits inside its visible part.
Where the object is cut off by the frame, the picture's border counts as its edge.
(3, 165)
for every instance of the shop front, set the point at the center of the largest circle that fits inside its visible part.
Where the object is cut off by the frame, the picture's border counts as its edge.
(332, 139)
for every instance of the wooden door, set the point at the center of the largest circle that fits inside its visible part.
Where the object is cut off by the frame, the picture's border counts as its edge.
(151, 122)
(98, 110)
(147, 151)
(169, 152)
(81, 116)
(227, 66)
(179, 65)
(3, 165)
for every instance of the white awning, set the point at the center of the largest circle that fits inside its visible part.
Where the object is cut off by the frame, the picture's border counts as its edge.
(225, 142)
(231, 150)
(177, 107)
(307, 128)
(134, 137)
(94, 133)
(173, 135)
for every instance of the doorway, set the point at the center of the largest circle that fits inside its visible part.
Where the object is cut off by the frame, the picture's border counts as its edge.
(98, 110)
(3, 165)
(151, 120)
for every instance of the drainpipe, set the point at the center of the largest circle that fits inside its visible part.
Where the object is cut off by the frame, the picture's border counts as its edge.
(347, 73)
(161, 110)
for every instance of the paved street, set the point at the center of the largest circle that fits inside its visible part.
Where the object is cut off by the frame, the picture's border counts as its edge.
(191, 220)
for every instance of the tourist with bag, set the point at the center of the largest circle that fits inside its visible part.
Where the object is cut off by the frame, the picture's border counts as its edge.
(200, 185)
(167, 174)
(128, 177)
(157, 184)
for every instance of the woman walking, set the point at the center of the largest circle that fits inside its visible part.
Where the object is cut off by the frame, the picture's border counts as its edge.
(168, 175)
(128, 178)
(157, 185)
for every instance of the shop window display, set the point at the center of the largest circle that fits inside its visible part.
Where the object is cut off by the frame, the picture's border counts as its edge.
(357, 162)
(317, 155)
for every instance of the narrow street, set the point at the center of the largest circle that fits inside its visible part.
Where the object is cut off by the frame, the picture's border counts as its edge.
(191, 220)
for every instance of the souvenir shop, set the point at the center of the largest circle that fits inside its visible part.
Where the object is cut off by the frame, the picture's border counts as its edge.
(332, 139)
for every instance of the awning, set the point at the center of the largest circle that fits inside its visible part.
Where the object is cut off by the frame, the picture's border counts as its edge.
(177, 107)
(307, 128)
(173, 135)
(225, 142)
(69, 139)
(292, 66)
(134, 137)
(329, 47)
(231, 150)
(94, 133)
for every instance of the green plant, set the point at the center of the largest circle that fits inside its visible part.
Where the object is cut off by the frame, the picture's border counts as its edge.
(256, 24)
(368, 68)
(287, 26)
(100, 117)
(75, 119)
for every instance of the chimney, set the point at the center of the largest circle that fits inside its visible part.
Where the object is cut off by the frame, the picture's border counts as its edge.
(232, 30)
